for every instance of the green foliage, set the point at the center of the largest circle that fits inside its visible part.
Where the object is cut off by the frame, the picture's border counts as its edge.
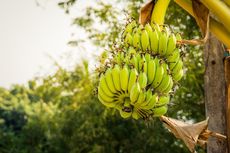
(60, 113)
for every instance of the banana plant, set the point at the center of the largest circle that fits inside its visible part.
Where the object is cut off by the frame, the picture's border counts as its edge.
(221, 28)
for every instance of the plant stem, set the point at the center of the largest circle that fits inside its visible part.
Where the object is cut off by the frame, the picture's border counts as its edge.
(159, 11)
(227, 2)
(215, 27)
(220, 9)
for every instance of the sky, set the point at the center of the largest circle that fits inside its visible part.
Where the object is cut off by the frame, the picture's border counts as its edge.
(31, 38)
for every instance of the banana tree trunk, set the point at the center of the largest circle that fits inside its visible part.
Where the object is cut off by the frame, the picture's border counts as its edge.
(215, 93)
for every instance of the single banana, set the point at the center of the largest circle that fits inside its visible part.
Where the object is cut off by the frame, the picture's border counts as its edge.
(147, 57)
(173, 59)
(159, 111)
(105, 97)
(144, 40)
(131, 51)
(139, 61)
(128, 39)
(164, 83)
(148, 96)
(151, 103)
(134, 62)
(134, 93)
(163, 41)
(132, 79)
(142, 80)
(136, 40)
(148, 28)
(124, 78)
(177, 77)
(151, 71)
(141, 99)
(105, 87)
(125, 114)
(159, 75)
(109, 80)
(126, 110)
(135, 114)
(163, 100)
(178, 67)
(116, 77)
(171, 44)
(130, 26)
(107, 104)
(154, 41)
(169, 88)
(156, 28)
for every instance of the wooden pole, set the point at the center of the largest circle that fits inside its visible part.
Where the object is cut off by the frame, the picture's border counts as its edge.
(215, 93)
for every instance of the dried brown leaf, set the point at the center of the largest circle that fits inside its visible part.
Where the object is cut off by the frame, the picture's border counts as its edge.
(146, 12)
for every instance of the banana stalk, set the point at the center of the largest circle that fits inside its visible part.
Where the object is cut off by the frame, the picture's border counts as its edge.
(220, 9)
(227, 2)
(159, 11)
(215, 27)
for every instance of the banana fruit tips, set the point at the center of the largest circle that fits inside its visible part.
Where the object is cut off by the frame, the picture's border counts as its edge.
(143, 72)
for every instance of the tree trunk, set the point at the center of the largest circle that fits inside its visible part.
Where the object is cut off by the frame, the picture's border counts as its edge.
(227, 76)
(215, 93)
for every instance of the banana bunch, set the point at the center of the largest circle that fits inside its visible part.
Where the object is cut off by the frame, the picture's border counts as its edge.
(143, 72)
(124, 89)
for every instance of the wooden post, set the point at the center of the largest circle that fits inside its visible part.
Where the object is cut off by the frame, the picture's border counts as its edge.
(215, 93)
(227, 76)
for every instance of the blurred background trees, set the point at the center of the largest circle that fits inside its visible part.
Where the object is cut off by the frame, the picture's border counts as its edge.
(61, 113)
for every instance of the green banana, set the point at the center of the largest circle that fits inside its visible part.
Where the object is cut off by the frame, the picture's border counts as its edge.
(164, 83)
(134, 62)
(145, 67)
(128, 39)
(142, 80)
(104, 86)
(154, 41)
(158, 76)
(159, 111)
(163, 41)
(105, 97)
(130, 26)
(136, 40)
(151, 71)
(135, 114)
(131, 51)
(109, 80)
(141, 63)
(125, 114)
(177, 67)
(107, 104)
(151, 103)
(178, 76)
(148, 28)
(134, 93)
(144, 40)
(169, 88)
(141, 99)
(163, 100)
(132, 79)
(147, 57)
(171, 44)
(148, 96)
(116, 77)
(124, 78)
